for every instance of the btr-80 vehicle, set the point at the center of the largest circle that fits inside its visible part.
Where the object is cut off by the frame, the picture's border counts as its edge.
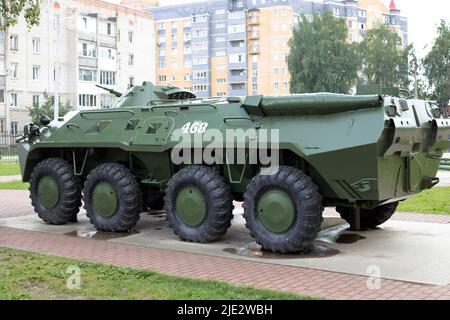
(161, 147)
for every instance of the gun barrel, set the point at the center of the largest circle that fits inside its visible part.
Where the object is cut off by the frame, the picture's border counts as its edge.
(113, 92)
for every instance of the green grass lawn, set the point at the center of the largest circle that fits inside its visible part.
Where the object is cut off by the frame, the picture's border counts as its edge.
(436, 200)
(9, 169)
(25, 275)
(14, 185)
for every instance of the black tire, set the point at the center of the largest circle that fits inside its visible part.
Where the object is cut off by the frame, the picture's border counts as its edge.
(218, 198)
(307, 204)
(69, 200)
(370, 219)
(128, 195)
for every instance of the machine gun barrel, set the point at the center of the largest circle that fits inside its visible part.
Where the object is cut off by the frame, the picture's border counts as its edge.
(113, 92)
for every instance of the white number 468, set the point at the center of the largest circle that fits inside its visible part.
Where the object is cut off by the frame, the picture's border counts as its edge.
(195, 127)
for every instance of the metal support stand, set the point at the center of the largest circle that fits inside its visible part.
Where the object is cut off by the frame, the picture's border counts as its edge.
(356, 219)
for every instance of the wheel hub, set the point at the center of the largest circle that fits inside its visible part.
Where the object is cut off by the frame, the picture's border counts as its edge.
(104, 199)
(191, 206)
(276, 211)
(48, 192)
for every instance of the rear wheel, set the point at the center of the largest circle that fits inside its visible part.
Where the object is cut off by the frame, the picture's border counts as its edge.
(55, 191)
(370, 219)
(112, 198)
(283, 211)
(199, 204)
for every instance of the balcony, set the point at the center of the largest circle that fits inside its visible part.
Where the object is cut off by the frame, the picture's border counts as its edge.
(239, 78)
(253, 21)
(107, 40)
(254, 50)
(2, 81)
(88, 62)
(254, 35)
(91, 37)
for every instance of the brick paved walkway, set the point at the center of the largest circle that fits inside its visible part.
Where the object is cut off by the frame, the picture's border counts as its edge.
(284, 278)
(278, 277)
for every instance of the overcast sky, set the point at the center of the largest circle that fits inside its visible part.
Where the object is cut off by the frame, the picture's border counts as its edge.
(423, 16)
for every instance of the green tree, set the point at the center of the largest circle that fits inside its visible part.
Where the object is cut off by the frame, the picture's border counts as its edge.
(385, 61)
(11, 10)
(35, 112)
(320, 58)
(437, 66)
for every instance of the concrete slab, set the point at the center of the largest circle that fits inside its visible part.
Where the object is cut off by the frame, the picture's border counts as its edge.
(405, 251)
(444, 176)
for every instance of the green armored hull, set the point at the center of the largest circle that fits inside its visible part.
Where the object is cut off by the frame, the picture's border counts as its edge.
(286, 157)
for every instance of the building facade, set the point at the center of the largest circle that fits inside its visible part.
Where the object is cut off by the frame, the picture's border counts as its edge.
(80, 43)
(239, 47)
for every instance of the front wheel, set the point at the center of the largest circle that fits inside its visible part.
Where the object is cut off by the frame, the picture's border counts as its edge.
(370, 219)
(283, 211)
(55, 191)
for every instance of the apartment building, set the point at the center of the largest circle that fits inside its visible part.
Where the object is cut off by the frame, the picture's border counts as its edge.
(239, 47)
(80, 42)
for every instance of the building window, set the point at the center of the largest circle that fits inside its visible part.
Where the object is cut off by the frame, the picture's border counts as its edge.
(239, 28)
(110, 28)
(162, 78)
(35, 73)
(108, 53)
(187, 77)
(87, 100)
(174, 51)
(236, 15)
(88, 50)
(201, 87)
(131, 60)
(201, 75)
(14, 128)
(220, 39)
(2, 96)
(107, 101)
(130, 36)
(200, 34)
(89, 75)
(255, 87)
(36, 44)
(188, 63)
(131, 81)
(237, 58)
(2, 66)
(14, 42)
(161, 52)
(13, 100)
(336, 11)
(197, 19)
(276, 85)
(108, 78)
(14, 70)
(200, 60)
(188, 50)
(162, 64)
(36, 101)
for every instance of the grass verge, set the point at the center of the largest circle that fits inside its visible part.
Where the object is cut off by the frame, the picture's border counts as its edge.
(14, 185)
(9, 169)
(25, 275)
(436, 200)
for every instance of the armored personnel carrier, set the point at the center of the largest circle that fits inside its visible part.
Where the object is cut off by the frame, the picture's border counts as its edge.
(285, 157)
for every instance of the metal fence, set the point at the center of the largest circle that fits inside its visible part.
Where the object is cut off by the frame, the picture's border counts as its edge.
(8, 153)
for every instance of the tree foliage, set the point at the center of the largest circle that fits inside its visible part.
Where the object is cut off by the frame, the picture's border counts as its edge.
(35, 112)
(11, 10)
(437, 66)
(320, 57)
(385, 60)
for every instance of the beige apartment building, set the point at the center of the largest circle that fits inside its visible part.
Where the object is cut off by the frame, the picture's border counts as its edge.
(239, 47)
(98, 43)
